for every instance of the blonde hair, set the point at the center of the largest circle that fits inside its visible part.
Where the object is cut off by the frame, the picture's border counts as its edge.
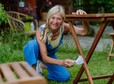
(54, 10)
(46, 33)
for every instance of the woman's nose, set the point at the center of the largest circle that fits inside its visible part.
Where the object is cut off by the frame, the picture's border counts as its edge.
(55, 20)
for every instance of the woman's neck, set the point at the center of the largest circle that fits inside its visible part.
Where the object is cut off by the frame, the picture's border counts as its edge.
(55, 34)
(55, 30)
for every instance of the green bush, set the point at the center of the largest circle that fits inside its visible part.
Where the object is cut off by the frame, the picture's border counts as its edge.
(94, 6)
(3, 15)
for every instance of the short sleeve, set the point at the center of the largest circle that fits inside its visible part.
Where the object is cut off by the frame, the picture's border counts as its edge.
(42, 27)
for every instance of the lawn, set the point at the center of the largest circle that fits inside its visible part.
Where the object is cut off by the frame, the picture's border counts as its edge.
(12, 50)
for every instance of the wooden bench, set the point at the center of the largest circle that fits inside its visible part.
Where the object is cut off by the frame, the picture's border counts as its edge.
(19, 73)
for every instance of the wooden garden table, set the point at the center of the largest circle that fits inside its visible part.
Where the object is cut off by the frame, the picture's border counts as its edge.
(104, 19)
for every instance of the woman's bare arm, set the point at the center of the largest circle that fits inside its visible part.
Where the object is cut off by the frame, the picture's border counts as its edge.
(43, 51)
(79, 30)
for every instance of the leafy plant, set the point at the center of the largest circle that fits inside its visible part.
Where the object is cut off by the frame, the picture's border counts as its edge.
(22, 0)
(3, 15)
(16, 40)
(94, 6)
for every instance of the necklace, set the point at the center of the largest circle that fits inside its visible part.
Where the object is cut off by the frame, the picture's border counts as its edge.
(55, 35)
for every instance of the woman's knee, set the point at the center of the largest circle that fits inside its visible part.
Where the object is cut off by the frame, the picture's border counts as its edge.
(64, 77)
(61, 78)
(58, 73)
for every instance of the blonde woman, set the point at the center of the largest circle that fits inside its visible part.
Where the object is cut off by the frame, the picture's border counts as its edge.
(44, 47)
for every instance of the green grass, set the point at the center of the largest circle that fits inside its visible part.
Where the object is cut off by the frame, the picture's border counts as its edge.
(98, 64)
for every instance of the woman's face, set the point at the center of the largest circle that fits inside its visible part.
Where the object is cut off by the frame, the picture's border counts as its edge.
(55, 21)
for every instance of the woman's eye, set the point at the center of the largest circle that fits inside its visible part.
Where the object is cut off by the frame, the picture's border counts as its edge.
(59, 19)
(53, 18)
(56, 18)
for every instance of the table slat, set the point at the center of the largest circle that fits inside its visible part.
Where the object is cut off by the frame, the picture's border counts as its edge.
(7, 72)
(1, 79)
(32, 80)
(19, 70)
(29, 69)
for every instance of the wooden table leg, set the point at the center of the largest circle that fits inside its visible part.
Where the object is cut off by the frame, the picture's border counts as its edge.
(81, 53)
(111, 79)
(92, 48)
(111, 54)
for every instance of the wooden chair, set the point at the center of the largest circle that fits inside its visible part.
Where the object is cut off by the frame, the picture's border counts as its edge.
(22, 22)
(19, 73)
(111, 53)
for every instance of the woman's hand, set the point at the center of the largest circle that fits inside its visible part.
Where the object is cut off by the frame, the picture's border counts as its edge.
(79, 12)
(68, 62)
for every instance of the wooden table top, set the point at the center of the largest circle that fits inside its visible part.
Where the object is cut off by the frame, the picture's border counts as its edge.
(89, 17)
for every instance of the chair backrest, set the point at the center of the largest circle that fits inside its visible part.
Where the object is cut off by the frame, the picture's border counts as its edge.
(15, 24)
(22, 22)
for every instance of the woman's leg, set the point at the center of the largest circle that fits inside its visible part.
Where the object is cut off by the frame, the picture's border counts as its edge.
(86, 26)
(31, 53)
(57, 73)
(88, 31)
